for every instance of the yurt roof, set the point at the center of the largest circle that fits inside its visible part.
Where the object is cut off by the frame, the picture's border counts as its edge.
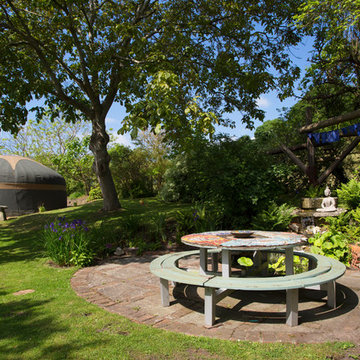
(18, 169)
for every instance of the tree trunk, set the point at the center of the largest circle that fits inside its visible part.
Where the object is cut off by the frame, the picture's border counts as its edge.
(98, 145)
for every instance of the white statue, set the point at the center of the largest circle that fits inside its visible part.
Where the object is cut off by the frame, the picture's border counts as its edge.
(328, 203)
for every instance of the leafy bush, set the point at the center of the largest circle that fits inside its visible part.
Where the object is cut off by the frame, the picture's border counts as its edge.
(332, 244)
(95, 194)
(353, 228)
(300, 265)
(199, 219)
(76, 195)
(159, 222)
(233, 175)
(349, 194)
(68, 243)
(275, 218)
(131, 172)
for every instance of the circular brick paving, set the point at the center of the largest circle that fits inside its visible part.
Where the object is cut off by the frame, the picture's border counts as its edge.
(125, 286)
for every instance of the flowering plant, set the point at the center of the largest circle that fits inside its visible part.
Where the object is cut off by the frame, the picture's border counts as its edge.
(68, 243)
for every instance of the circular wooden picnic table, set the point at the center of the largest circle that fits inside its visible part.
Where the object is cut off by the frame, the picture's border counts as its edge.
(228, 241)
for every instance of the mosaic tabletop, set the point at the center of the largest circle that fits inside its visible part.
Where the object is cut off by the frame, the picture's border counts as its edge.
(244, 239)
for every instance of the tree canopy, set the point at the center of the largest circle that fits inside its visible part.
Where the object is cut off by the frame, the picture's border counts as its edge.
(176, 65)
(335, 69)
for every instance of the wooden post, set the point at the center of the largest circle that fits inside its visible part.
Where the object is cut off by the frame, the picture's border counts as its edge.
(203, 261)
(226, 263)
(164, 291)
(214, 261)
(289, 261)
(209, 306)
(292, 307)
(331, 294)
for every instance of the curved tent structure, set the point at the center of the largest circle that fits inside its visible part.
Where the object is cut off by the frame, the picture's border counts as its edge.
(26, 184)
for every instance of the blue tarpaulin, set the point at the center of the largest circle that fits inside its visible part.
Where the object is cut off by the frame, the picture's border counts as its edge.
(329, 137)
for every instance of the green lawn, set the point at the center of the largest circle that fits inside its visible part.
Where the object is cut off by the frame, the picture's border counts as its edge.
(53, 323)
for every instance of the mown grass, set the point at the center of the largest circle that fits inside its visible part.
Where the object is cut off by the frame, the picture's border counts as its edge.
(53, 323)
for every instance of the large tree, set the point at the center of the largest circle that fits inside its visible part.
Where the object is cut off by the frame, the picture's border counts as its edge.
(177, 65)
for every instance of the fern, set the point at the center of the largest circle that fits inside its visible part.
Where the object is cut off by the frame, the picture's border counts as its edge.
(275, 218)
(349, 194)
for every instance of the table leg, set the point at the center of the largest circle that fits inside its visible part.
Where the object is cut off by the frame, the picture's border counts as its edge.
(203, 261)
(289, 261)
(226, 263)
(214, 261)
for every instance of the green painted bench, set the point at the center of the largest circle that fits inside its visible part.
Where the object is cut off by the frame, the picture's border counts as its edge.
(324, 271)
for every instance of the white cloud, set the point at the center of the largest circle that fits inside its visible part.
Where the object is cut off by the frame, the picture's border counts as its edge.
(110, 122)
(123, 139)
(262, 102)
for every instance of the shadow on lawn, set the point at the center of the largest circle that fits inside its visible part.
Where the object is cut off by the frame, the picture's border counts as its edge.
(25, 329)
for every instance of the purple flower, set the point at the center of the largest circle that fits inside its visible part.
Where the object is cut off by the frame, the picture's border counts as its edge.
(60, 238)
(109, 245)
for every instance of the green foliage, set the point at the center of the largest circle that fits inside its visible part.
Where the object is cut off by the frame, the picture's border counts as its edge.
(95, 194)
(315, 191)
(160, 221)
(349, 194)
(200, 218)
(42, 208)
(351, 225)
(232, 176)
(75, 164)
(274, 218)
(130, 169)
(158, 152)
(334, 26)
(75, 195)
(68, 243)
(300, 265)
(333, 244)
(245, 261)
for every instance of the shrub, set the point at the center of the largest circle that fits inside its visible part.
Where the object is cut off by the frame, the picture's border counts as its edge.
(199, 219)
(75, 195)
(275, 218)
(95, 194)
(349, 194)
(279, 267)
(332, 244)
(233, 175)
(68, 243)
